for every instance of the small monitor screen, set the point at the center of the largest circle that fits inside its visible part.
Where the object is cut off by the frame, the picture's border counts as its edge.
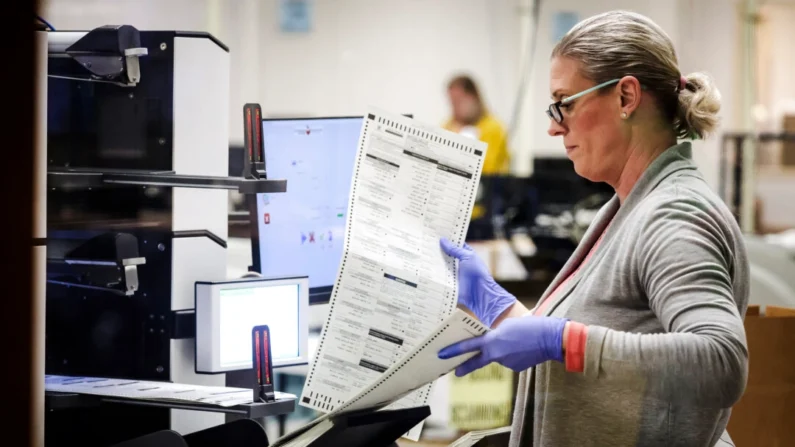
(242, 309)
(301, 231)
(226, 312)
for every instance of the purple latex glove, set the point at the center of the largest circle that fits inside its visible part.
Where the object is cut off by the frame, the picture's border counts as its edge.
(477, 290)
(519, 343)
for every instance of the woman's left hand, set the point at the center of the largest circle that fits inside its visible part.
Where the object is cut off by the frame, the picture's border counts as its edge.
(518, 343)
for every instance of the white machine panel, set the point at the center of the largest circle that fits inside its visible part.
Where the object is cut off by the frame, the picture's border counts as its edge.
(227, 311)
(201, 147)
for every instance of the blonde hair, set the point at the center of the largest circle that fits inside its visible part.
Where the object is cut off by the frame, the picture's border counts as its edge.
(620, 43)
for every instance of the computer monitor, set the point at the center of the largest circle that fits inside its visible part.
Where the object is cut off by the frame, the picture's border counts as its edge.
(226, 311)
(301, 232)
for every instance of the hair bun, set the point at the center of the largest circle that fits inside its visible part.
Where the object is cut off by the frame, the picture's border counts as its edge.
(699, 104)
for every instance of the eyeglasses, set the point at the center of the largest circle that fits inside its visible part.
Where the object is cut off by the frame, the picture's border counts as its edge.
(554, 109)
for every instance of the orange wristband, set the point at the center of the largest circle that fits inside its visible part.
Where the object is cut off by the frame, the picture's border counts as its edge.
(575, 347)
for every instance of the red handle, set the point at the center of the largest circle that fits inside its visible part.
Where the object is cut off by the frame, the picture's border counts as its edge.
(248, 134)
(266, 349)
(259, 150)
(259, 363)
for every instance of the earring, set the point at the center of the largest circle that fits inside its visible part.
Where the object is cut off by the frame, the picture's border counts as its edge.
(624, 115)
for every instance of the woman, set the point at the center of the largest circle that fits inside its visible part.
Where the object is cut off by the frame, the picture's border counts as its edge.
(471, 118)
(639, 340)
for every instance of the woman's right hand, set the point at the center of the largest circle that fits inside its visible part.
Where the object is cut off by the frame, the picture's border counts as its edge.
(477, 290)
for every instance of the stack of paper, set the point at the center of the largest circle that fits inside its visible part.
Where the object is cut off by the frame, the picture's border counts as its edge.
(150, 390)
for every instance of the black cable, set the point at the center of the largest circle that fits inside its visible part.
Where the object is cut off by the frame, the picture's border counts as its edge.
(40, 19)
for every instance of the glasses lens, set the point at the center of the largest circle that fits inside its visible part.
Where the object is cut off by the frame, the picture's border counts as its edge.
(554, 113)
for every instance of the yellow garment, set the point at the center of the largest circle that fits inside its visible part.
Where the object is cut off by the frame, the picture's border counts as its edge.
(497, 160)
(492, 133)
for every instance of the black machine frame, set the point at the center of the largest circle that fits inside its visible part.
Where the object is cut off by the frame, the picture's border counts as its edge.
(84, 184)
(110, 172)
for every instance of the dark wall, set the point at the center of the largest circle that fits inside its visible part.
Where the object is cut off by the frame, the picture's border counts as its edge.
(16, 183)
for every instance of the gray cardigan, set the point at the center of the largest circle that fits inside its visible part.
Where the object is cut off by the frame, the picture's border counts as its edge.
(664, 296)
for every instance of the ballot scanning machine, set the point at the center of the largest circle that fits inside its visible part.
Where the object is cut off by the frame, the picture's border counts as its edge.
(136, 213)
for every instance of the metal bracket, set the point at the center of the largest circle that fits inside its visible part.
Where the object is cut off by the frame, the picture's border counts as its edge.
(131, 56)
(183, 324)
(108, 54)
(86, 178)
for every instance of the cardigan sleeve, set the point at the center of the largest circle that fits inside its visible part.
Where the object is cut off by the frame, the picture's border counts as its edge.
(685, 260)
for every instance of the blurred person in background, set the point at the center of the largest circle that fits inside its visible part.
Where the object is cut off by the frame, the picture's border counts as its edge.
(639, 339)
(472, 118)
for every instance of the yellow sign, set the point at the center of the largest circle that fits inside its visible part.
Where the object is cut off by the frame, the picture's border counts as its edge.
(482, 399)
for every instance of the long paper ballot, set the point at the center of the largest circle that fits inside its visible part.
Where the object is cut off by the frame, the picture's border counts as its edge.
(412, 185)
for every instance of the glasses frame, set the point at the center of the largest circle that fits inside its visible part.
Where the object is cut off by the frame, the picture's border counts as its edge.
(553, 112)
